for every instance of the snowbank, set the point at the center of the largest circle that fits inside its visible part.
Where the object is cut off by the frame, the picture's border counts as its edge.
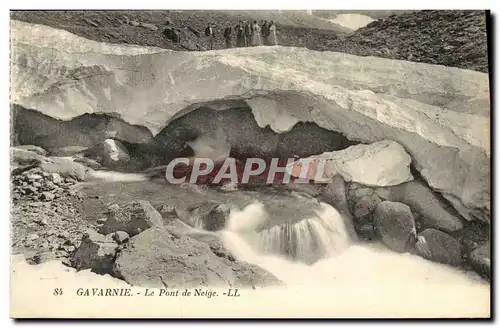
(440, 115)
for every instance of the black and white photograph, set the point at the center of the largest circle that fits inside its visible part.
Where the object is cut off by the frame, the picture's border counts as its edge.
(250, 163)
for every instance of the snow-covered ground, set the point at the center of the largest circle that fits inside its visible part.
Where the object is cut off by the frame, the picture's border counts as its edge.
(352, 21)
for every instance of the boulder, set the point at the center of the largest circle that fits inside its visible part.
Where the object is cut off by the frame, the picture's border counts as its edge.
(438, 246)
(55, 178)
(155, 258)
(167, 211)
(151, 27)
(480, 260)
(172, 34)
(209, 216)
(96, 252)
(473, 235)
(34, 149)
(47, 196)
(65, 167)
(395, 225)
(120, 237)
(422, 200)
(25, 157)
(132, 218)
(216, 219)
(113, 154)
(365, 205)
(383, 163)
(22, 158)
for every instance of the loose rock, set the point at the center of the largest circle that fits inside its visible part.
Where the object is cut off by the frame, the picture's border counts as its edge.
(395, 224)
(120, 237)
(34, 149)
(96, 252)
(133, 218)
(439, 247)
(423, 201)
(47, 196)
(480, 260)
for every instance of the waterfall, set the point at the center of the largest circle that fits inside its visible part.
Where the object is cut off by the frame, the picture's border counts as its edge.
(308, 240)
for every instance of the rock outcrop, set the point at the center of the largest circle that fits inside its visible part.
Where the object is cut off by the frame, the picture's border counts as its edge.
(440, 115)
(23, 160)
(68, 137)
(158, 259)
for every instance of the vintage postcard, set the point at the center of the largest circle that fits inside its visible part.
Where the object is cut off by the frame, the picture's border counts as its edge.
(250, 164)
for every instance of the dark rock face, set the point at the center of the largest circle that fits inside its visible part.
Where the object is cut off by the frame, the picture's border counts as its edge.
(480, 260)
(96, 252)
(132, 218)
(475, 234)
(439, 247)
(395, 225)
(34, 128)
(156, 258)
(240, 130)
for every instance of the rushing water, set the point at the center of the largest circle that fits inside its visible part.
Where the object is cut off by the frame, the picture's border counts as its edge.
(340, 261)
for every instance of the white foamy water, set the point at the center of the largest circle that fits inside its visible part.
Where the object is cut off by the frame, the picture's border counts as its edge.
(306, 240)
(346, 269)
(115, 176)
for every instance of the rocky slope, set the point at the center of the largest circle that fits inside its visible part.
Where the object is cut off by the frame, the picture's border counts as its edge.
(439, 114)
(451, 38)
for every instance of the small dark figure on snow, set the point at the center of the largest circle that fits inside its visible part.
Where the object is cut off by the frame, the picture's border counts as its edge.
(227, 37)
(265, 33)
(210, 34)
(241, 38)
